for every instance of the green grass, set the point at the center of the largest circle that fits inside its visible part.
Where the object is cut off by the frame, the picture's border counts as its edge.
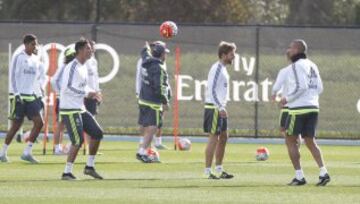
(179, 178)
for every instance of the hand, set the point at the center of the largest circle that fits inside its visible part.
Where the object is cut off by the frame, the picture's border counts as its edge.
(273, 98)
(166, 107)
(283, 101)
(18, 99)
(98, 97)
(223, 113)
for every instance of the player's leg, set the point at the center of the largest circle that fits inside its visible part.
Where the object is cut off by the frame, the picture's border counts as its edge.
(95, 132)
(211, 127)
(16, 115)
(309, 138)
(33, 112)
(293, 128)
(58, 136)
(149, 118)
(74, 125)
(158, 137)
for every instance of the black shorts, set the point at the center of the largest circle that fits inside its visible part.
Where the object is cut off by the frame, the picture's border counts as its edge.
(213, 123)
(283, 116)
(77, 122)
(303, 123)
(91, 105)
(149, 116)
(30, 107)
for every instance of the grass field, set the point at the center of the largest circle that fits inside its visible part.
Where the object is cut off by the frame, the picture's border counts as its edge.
(179, 178)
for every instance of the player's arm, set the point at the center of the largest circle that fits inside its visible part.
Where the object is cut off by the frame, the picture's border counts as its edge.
(138, 78)
(320, 86)
(279, 83)
(215, 89)
(16, 74)
(42, 78)
(146, 53)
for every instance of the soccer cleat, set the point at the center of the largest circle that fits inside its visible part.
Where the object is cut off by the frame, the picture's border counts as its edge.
(89, 170)
(212, 176)
(18, 138)
(59, 152)
(68, 177)
(323, 180)
(143, 158)
(29, 158)
(225, 175)
(4, 159)
(161, 147)
(296, 182)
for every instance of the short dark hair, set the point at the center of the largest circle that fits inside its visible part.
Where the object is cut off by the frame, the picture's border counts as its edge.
(225, 48)
(28, 38)
(80, 45)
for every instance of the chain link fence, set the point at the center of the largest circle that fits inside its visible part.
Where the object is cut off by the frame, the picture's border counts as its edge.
(260, 56)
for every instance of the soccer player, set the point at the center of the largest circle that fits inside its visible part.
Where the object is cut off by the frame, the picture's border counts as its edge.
(56, 85)
(24, 72)
(215, 116)
(74, 88)
(153, 96)
(302, 98)
(158, 138)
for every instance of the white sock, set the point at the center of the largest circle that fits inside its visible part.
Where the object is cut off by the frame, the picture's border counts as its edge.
(299, 174)
(158, 141)
(28, 148)
(142, 151)
(91, 161)
(219, 168)
(323, 171)
(4, 150)
(207, 171)
(68, 167)
(58, 148)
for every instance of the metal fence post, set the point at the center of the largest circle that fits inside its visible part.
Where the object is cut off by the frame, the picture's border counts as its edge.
(256, 104)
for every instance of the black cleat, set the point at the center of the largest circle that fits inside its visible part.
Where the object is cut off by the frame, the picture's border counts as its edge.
(323, 180)
(296, 182)
(225, 175)
(18, 138)
(89, 170)
(143, 158)
(68, 177)
(212, 176)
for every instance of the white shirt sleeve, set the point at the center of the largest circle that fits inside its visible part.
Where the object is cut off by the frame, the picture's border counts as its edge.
(138, 77)
(280, 81)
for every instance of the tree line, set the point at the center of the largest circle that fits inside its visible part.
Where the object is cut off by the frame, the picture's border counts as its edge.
(291, 12)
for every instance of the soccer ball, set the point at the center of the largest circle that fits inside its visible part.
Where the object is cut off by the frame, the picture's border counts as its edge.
(262, 154)
(26, 136)
(184, 144)
(168, 29)
(153, 154)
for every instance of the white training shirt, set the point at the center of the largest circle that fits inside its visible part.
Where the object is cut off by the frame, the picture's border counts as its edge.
(217, 86)
(93, 75)
(280, 83)
(74, 86)
(304, 84)
(24, 70)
